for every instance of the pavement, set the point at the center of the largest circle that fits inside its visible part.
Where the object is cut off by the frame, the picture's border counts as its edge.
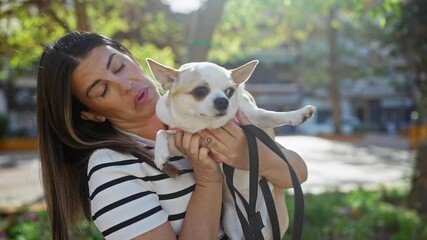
(373, 161)
(20, 180)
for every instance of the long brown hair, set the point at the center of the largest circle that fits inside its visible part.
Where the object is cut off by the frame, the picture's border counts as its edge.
(65, 141)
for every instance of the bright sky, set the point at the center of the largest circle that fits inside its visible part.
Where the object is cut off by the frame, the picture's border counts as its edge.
(183, 6)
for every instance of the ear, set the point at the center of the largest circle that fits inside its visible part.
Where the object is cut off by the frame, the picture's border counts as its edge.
(164, 74)
(91, 116)
(242, 73)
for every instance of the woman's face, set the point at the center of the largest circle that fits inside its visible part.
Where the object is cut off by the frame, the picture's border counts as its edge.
(114, 87)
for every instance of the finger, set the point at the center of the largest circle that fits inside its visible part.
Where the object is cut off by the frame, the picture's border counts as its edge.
(222, 131)
(216, 139)
(232, 128)
(203, 153)
(194, 146)
(178, 139)
(217, 156)
(186, 139)
(206, 137)
(214, 157)
(206, 156)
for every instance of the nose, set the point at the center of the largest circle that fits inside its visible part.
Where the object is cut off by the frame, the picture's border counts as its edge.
(125, 85)
(221, 103)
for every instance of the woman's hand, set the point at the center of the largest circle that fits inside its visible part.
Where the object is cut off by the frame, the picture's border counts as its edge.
(228, 144)
(206, 169)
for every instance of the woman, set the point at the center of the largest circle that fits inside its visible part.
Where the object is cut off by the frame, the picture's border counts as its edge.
(97, 126)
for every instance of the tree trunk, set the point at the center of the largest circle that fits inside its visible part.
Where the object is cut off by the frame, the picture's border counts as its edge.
(201, 29)
(334, 85)
(417, 198)
(82, 21)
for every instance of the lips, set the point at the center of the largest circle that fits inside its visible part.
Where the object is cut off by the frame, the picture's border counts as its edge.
(141, 96)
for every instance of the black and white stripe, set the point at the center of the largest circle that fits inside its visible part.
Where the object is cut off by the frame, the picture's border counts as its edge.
(129, 197)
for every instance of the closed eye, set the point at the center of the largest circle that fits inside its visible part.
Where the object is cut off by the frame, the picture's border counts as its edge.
(104, 93)
(120, 68)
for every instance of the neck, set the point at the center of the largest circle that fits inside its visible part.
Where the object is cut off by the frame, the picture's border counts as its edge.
(148, 130)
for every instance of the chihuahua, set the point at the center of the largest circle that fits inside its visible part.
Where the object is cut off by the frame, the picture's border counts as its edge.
(204, 95)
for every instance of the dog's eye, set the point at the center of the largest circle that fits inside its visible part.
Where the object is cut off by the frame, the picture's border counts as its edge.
(229, 92)
(200, 92)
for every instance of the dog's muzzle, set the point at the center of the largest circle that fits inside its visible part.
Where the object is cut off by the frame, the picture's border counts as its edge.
(221, 104)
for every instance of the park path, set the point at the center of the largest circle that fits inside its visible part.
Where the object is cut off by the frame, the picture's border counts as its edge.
(374, 161)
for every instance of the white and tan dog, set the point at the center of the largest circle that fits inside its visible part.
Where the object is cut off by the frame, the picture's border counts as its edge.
(203, 95)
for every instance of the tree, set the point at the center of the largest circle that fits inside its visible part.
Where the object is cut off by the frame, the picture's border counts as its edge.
(27, 26)
(411, 33)
(321, 40)
(201, 27)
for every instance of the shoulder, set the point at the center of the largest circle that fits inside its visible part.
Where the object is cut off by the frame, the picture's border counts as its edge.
(106, 155)
(106, 165)
(123, 204)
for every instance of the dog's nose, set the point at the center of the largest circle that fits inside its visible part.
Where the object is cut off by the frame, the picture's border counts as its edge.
(221, 103)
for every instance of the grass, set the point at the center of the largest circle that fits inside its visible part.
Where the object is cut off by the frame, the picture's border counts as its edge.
(356, 215)
(360, 215)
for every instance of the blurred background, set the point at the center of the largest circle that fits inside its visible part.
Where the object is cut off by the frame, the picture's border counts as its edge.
(362, 63)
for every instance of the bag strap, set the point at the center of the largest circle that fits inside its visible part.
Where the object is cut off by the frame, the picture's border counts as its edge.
(254, 217)
(271, 208)
(253, 226)
(298, 194)
(254, 171)
(247, 230)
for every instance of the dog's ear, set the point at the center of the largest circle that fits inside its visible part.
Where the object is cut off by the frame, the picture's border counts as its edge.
(164, 74)
(242, 73)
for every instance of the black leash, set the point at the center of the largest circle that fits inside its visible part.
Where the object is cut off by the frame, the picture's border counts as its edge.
(253, 225)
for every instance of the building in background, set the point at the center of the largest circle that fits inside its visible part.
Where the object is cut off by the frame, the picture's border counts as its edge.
(375, 104)
(20, 102)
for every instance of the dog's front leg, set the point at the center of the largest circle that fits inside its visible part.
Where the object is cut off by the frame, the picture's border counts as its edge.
(270, 119)
(161, 149)
(165, 147)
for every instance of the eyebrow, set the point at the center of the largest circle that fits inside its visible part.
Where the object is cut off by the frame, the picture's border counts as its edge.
(110, 58)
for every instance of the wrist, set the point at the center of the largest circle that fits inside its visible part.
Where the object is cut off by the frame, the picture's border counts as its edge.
(209, 183)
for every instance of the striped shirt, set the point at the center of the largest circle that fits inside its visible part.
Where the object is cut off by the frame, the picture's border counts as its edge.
(129, 197)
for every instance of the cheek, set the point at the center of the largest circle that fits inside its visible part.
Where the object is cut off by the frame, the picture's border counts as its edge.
(107, 107)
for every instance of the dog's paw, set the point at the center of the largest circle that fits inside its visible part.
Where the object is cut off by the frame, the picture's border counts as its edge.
(303, 114)
(161, 156)
(307, 112)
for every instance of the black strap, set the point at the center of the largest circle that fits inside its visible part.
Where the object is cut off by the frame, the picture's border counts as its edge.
(253, 226)
(298, 194)
(228, 172)
(254, 171)
(254, 217)
(271, 208)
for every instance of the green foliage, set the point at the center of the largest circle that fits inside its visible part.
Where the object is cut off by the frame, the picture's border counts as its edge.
(25, 225)
(302, 28)
(299, 27)
(359, 215)
(28, 26)
(356, 215)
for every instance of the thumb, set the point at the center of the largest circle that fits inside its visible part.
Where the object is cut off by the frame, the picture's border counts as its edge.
(241, 117)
